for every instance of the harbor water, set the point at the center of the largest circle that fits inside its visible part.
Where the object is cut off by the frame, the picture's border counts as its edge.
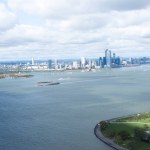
(63, 117)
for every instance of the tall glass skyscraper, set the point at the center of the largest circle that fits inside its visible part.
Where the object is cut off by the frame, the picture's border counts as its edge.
(108, 57)
(49, 64)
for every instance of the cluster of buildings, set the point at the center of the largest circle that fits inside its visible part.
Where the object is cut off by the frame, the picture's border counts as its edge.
(110, 60)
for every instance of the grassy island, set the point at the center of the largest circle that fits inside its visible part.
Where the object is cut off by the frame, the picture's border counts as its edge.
(14, 75)
(132, 132)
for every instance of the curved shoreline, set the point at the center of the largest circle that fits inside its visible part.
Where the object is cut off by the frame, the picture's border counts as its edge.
(110, 143)
(107, 141)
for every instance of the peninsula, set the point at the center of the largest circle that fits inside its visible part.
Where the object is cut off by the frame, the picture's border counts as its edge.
(125, 133)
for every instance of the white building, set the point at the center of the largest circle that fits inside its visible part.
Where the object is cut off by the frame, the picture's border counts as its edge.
(75, 65)
(83, 62)
(33, 61)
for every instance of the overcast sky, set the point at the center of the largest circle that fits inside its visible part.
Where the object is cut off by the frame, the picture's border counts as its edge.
(46, 29)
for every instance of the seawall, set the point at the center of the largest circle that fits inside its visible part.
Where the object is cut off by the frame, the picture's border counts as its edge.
(109, 142)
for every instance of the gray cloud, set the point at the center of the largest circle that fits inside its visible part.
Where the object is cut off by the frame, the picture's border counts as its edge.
(122, 5)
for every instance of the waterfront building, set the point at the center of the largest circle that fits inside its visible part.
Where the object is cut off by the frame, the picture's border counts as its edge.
(104, 62)
(90, 63)
(118, 61)
(33, 62)
(75, 65)
(56, 64)
(113, 58)
(108, 58)
(49, 64)
(100, 62)
(93, 63)
(83, 62)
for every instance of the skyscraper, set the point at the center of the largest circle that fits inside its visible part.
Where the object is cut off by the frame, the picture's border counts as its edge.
(56, 64)
(108, 57)
(90, 63)
(114, 55)
(113, 58)
(83, 62)
(100, 62)
(49, 64)
(33, 61)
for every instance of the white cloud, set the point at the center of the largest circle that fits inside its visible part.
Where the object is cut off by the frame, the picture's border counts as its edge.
(71, 28)
(7, 18)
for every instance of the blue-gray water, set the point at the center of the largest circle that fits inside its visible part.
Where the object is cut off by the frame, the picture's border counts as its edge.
(62, 117)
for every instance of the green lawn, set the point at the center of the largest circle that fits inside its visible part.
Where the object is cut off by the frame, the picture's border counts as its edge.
(145, 118)
(132, 140)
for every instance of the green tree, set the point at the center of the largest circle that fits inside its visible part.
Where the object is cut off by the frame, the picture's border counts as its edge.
(138, 132)
(124, 135)
(104, 125)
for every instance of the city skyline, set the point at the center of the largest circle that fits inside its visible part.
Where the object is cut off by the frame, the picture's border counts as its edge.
(73, 29)
(109, 60)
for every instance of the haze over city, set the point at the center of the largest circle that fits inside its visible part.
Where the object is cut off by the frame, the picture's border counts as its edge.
(74, 28)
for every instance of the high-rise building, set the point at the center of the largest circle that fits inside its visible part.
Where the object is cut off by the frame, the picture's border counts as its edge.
(117, 61)
(93, 63)
(113, 58)
(75, 65)
(49, 64)
(90, 63)
(33, 61)
(108, 57)
(56, 64)
(114, 55)
(104, 62)
(100, 62)
(83, 62)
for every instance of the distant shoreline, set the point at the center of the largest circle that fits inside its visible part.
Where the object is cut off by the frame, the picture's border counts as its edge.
(15, 75)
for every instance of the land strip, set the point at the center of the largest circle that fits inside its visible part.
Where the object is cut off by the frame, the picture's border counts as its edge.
(109, 142)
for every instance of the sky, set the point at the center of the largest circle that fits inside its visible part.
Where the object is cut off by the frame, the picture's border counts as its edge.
(50, 29)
